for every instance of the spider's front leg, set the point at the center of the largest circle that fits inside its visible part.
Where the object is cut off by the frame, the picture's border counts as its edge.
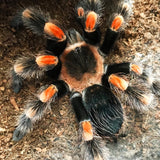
(36, 108)
(41, 24)
(32, 67)
(89, 13)
(116, 23)
(132, 89)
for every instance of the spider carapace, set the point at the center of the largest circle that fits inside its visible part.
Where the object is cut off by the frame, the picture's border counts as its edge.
(82, 65)
(76, 65)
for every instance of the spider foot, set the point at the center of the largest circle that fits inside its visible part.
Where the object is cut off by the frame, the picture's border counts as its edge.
(17, 82)
(150, 79)
(156, 88)
(24, 126)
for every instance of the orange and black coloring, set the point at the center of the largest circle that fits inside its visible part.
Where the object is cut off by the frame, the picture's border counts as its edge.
(75, 65)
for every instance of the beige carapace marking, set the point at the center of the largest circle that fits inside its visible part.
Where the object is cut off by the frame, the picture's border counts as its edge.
(118, 82)
(73, 46)
(145, 99)
(18, 68)
(117, 22)
(30, 113)
(91, 21)
(46, 60)
(54, 31)
(27, 13)
(87, 79)
(135, 68)
(47, 94)
(87, 130)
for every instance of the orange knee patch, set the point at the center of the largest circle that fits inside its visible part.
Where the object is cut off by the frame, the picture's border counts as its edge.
(145, 100)
(46, 60)
(91, 21)
(30, 112)
(27, 13)
(135, 68)
(47, 94)
(53, 30)
(117, 22)
(87, 130)
(18, 68)
(80, 12)
(118, 82)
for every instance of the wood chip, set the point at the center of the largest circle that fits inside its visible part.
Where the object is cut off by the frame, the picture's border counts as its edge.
(13, 102)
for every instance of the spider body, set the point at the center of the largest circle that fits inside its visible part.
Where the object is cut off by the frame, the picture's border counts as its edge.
(82, 65)
(76, 65)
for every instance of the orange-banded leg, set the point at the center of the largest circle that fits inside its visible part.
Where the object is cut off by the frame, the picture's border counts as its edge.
(31, 67)
(104, 110)
(36, 108)
(82, 117)
(135, 92)
(42, 24)
(91, 147)
(89, 13)
(116, 24)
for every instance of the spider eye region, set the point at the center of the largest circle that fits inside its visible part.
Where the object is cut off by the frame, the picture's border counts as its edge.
(80, 61)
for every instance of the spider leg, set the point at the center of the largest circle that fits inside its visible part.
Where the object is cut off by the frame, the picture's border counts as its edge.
(116, 23)
(104, 109)
(88, 14)
(153, 81)
(41, 24)
(133, 91)
(92, 147)
(32, 67)
(36, 108)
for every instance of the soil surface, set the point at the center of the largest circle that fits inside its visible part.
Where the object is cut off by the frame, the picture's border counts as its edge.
(55, 137)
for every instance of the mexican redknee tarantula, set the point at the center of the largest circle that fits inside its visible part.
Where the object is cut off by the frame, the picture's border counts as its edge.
(76, 65)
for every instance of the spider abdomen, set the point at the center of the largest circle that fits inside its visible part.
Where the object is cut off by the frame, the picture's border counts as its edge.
(82, 66)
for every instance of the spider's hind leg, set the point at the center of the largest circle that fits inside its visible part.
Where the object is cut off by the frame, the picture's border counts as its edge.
(36, 108)
(116, 23)
(32, 67)
(88, 14)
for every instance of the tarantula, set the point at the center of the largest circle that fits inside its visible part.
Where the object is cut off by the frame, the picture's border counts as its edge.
(76, 64)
